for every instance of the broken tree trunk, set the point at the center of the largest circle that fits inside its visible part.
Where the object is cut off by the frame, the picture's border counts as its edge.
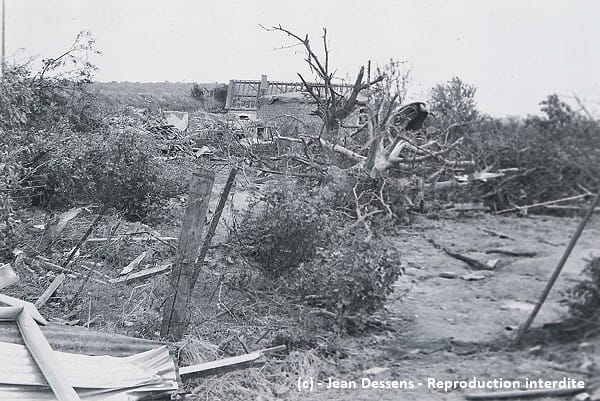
(176, 313)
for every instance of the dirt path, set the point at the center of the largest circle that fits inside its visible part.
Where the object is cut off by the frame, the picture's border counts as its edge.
(453, 329)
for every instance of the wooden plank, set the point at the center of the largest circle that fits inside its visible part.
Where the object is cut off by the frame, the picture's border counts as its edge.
(45, 358)
(142, 274)
(50, 290)
(505, 395)
(7, 276)
(227, 364)
(220, 366)
(176, 312)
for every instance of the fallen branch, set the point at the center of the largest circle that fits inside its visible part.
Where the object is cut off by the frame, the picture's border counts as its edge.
(527, 254)
(475, 264)
(542, 204)
(497, 234)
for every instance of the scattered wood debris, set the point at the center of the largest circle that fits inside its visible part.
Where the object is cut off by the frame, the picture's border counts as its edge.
(142, 274)
(50, 290)
(134, 264)
(56, 226)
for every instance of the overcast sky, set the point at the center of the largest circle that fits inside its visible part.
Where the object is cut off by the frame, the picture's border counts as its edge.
(515, 51)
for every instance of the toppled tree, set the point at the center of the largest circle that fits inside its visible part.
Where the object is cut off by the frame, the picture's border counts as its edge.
(389, 140)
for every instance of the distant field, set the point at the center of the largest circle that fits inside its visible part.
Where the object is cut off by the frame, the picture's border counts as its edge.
(166, 95)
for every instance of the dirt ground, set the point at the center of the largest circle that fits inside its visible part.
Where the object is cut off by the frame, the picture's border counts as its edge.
(437, 328)
(459, 328)
(454, 329)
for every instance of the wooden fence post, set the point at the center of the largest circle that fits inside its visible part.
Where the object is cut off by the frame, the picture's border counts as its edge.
(176, 312)
(213, 226)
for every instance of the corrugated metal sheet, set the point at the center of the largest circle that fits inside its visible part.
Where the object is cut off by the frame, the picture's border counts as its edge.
(80, 340)
(94, 377)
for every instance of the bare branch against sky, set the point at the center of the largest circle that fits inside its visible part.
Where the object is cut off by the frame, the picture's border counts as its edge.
(516, 52)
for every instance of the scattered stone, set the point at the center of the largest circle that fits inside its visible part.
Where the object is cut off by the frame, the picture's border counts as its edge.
(448, 275)
(537, 350)
(280, 390)
(596, 395)
(583, 397)
(472, 277)
(587, 347)
(492, 263)
(376, 370)
(588, 366)
(510, 304)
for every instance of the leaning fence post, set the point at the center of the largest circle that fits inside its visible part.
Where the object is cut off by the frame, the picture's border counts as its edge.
(213, 226)
(561, 263)
(176, 312)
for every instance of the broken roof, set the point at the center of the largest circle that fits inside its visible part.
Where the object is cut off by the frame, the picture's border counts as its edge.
(243, 95)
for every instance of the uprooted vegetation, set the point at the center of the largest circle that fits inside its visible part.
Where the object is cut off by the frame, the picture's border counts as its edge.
(309, 259)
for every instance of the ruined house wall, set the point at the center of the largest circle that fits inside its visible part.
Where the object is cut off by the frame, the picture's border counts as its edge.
(286, 115)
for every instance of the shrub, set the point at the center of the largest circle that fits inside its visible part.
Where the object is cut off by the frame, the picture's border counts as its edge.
(284, 228)
(350, 276)
(297, 236)
(583, 300)
(64, 145)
